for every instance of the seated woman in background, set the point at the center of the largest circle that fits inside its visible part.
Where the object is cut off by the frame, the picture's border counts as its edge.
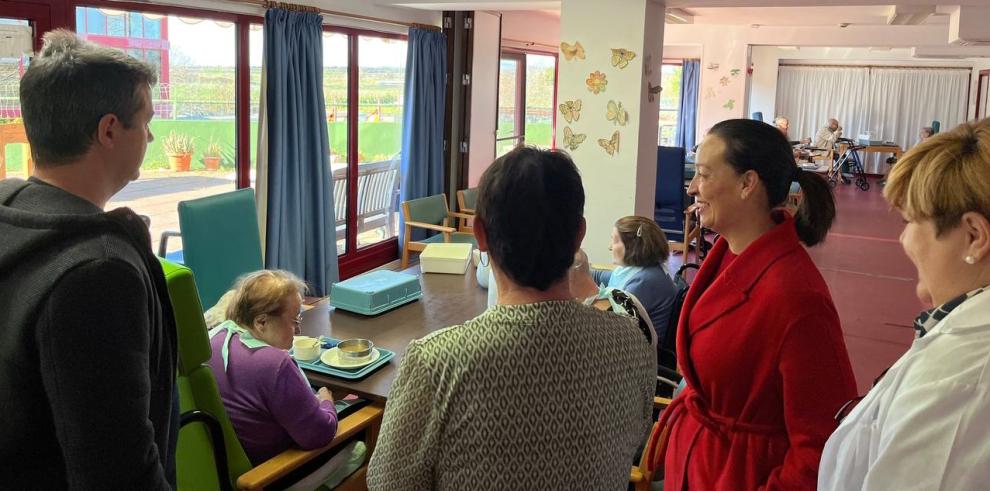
(640, 249)
(759, 340)
(269, 401)
(926, 423)
(538, 377)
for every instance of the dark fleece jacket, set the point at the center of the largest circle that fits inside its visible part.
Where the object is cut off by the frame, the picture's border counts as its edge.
(87, 346)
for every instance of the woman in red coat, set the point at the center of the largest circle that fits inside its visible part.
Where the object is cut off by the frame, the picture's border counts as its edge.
(759, 341)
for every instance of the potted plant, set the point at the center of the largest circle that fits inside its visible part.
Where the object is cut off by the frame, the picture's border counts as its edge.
(179, 149)
(212, 156)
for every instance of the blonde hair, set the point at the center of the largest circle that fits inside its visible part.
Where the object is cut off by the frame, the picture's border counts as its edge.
(645, 243)
(262, 292)
(944, 176)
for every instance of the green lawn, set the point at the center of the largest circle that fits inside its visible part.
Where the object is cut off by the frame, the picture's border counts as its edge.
(377, 141)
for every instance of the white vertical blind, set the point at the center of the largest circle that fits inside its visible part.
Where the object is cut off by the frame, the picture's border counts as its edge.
(892, 103)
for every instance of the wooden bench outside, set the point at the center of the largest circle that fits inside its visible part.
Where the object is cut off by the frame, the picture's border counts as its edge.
(378, 193)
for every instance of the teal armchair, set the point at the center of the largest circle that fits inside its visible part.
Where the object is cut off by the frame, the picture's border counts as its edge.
(220, 240)
(431, 213)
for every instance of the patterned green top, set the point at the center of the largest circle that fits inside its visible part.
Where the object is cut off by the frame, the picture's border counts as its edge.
(553, 395)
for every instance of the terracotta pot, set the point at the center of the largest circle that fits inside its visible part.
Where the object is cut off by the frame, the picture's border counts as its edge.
(180, 163)
(212, 163)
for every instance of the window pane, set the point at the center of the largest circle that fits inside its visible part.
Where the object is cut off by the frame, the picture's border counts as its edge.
(670, 99)
(507, 91)
(153, 27)
(381, 75)
(539, 99)
(135, 25)
(96, 22)
(335, 66)
(116, 25)
(194, 150)
(13, 140)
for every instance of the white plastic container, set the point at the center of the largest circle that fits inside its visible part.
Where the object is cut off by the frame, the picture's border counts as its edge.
(445, 258)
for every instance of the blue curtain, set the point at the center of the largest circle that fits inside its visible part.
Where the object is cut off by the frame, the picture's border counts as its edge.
(423, 114)
(301, 237)
(687, 115)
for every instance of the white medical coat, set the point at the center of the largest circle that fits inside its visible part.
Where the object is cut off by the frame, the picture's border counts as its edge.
(926, 425)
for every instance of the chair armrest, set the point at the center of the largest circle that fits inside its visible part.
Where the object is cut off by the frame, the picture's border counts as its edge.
(635, 475)
(163, 243)
(457, 214)
(430, 226)
(215, 431)
(280, 465)
(660, 402)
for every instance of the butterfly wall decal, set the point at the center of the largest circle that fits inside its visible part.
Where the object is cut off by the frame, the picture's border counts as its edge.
(611, 146)
(729, 104)
(616, 114)
(652, 91)
(571, 110)
(572, 51)
(573, 140)
(621, 57)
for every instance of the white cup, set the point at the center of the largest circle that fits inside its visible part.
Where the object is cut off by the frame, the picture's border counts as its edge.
(306, 348)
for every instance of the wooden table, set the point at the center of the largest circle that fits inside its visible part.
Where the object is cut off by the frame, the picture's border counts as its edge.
(447, 300)
(891, 149)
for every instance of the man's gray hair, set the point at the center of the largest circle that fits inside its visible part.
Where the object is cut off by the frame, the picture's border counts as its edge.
(69, 87)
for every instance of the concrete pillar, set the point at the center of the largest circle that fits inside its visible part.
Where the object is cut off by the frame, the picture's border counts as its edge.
(610, 58)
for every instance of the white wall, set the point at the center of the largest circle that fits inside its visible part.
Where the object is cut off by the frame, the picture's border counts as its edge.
(622, 183)
(484, 94)
(539, 30)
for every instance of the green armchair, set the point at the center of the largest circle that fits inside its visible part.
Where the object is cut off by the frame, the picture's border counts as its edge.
(209, 456)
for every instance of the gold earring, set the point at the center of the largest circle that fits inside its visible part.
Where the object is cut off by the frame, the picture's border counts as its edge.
(970, 260)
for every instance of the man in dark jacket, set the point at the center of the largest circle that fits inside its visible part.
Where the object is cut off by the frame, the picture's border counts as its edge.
(87, 334)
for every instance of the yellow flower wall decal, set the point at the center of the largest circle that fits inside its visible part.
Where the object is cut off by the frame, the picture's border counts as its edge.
(596, 82)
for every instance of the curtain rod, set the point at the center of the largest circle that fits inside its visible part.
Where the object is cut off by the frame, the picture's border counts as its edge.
(305, 8)
(912, 67)
(530, 43)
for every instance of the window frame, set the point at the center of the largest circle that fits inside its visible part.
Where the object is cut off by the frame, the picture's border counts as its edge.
(355, 261)
(519, 55)
(53, 14)
(660, 110)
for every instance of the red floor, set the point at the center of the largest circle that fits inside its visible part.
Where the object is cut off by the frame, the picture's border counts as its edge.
(871, 280)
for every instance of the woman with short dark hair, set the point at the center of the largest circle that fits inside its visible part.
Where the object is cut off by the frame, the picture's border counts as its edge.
(759, 340)
(539, 377)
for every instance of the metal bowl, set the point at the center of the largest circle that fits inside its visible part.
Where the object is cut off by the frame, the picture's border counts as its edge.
(356, 350)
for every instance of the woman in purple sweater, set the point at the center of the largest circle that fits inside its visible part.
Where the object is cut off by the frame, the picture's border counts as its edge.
(267, 397)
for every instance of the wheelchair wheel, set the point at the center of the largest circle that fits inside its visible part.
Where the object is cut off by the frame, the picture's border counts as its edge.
(863, 184)
(832, 182)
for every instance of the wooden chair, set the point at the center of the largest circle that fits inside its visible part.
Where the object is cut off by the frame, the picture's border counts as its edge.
(692, 231)
(430, 213)
(466, 200)
(641, 476)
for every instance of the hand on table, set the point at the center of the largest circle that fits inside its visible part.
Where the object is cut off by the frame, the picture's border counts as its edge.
(324, 394)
